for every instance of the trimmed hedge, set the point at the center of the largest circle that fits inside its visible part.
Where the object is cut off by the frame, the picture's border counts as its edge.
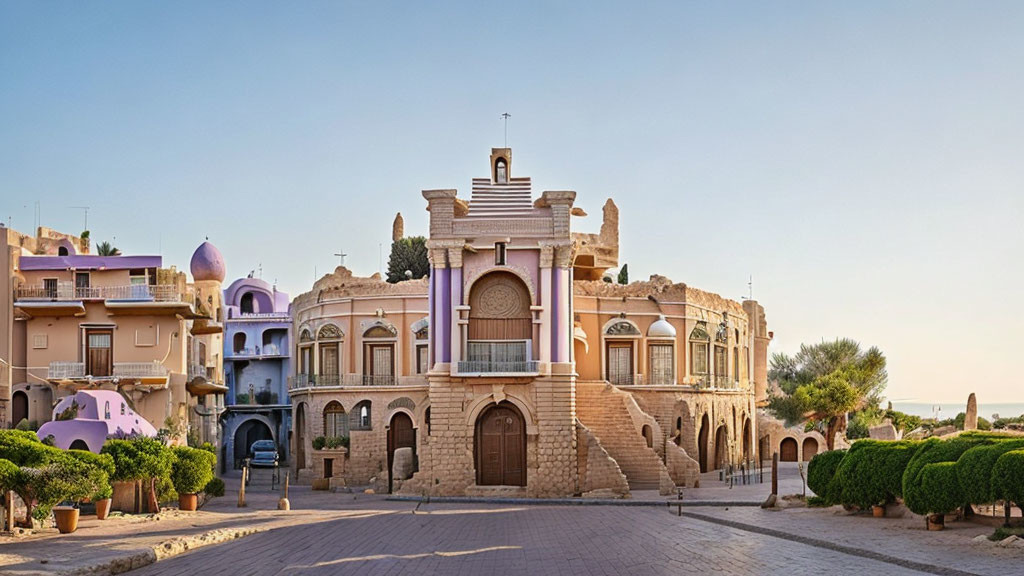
(872, 472)
(974, 470)
(192, 469)
(820, 472)
(1008, 477)
(942, 493)
(934, 451)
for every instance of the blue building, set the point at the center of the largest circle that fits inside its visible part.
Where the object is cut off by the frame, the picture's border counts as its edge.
(257, 362)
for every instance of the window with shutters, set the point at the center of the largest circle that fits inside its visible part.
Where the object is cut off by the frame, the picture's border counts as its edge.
(619, 356)
(662, 363)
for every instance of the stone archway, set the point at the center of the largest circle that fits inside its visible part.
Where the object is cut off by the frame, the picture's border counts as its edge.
(500, 446)
(721, 447)
(401, 434)
(703, 437)
(788, 450)
(19, 408)
(248, 432)
(810, 449)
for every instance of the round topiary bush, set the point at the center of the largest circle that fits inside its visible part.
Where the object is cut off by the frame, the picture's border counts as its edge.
(192, 469)
(974, 470)
(941, 489)
(141, 459)
(1007, 478)
(214, 488)
(872, 472)
(820, 472)
(933, 451)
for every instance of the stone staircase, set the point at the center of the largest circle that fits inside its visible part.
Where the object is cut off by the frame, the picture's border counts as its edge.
(603, 409)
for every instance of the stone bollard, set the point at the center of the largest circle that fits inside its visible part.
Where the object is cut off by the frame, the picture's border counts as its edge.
(283, 503)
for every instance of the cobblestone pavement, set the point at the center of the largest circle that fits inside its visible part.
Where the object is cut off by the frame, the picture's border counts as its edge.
(457, 539)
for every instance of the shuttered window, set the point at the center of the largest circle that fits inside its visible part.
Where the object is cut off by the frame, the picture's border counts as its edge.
(620, 363)
(661, 367)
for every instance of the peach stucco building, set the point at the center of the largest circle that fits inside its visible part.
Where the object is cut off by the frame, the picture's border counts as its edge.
(515, 369)
(83, 321)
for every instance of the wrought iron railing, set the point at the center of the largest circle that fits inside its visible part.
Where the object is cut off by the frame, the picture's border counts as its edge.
(498, 356)
(66, 370)
(268, 350)
(72, 370)
(498, 367)
(331, 380)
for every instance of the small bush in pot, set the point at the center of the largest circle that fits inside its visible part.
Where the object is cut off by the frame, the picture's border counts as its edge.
(191, 472)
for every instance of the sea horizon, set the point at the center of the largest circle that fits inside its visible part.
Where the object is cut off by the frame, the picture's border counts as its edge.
(951, 409)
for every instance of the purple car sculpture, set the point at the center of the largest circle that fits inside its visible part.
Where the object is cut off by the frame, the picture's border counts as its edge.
(85, 420)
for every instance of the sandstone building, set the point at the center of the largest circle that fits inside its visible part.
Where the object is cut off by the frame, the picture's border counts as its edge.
(515, 369)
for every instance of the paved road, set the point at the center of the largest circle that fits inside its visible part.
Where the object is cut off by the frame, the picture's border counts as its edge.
(493, 540)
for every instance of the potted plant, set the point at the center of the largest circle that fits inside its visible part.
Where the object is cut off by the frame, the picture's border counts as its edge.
(191, 472)
(102, 499)
(878, 510)
(140, 460)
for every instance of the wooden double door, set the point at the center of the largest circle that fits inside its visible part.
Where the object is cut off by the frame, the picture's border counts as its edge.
(501, 447)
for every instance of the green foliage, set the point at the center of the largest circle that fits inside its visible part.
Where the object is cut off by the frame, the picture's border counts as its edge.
(974, 470)
(192, 469)
(824, 381)
(1007, 478)
(101, 468)
(23, 425)
(330, 442)
(1000, 423)
(820, 473)
(859, 425)
(23, 448)
(818, 502)
(10, 475)
(215, 487)
(319, 442)
(107, 249)
(940, 487)
(872, 472)
(139, 459)
(241, 398)
(69, 413)
(208, 447)
(903, 421)
(933, 451)
(624, 274)
(63, 478)
(84, 235)
(165, 491)
(408, 254)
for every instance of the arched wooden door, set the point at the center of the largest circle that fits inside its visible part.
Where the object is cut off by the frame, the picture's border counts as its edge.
(721, 447)
(501, 447)
(300, 436)
(401, 434)
(20, 408)
(788, 450)
(810, 449)
(702, 443)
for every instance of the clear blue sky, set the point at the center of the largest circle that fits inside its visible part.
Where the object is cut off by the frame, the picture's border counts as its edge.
(862, 160)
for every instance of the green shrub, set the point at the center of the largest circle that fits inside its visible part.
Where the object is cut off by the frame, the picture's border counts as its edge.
(101, 468)
(1007, 479)
(139, 459)
(192, 469)
(319, 442)
(10, 475)
(23, 425)
(336, 442)
(934, 451)
(941, 490)
(63, 478)
(23, 448)
(215, 487)
(165, 491)
(872, 472)
(820, 472)
(208, 447)
(974, 470)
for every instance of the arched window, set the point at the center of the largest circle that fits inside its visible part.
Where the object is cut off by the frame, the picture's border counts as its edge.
(379, 355)
(239, 342)
(335, 421)
(246, 304)
(501, 171)
(62, 251)
(106, 410)
(328, 341)
(360, 417)
(699, 340)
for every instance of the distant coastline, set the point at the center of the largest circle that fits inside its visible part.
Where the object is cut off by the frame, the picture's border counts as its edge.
(949, 410)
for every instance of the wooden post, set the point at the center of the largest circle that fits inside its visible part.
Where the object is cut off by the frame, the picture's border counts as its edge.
(775, 473)
(283, 503)
(9, 510)
(241, 489)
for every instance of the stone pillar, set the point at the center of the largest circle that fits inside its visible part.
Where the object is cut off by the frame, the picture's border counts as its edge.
(455, 299)
(971, 421)
(544, 333)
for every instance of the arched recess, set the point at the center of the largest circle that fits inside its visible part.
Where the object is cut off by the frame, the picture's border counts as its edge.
(721, 447)
(748, 440)
(246, 433)
(500, 446)
(703, 437)
(499, 308)
(648, 435)
(238, 342)
(300, 436)
(810, 449)
(79, 444)
(247, 305)
(401, 434)
(19, 408)
(478, 406)
(788, 450)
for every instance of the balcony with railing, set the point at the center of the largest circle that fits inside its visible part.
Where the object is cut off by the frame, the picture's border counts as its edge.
(498, 357)
(66, 291)
(121, 370)
(300, 381)
(257, 352)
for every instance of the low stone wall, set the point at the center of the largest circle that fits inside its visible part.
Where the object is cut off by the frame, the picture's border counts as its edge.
(338, 458)
(683, 470)
(599, 474)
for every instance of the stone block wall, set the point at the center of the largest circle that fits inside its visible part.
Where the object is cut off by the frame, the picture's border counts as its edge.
(599, 475)
(683, 470)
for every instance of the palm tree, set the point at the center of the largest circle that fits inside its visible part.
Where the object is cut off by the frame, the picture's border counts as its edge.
(106, 249)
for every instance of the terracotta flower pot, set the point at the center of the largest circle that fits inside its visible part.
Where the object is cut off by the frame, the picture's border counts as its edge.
(67, 519)
(103, 508)
(878, 511)
(936, 521)
(188, 502)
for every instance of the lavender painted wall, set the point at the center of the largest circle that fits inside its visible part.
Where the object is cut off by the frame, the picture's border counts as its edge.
(92, 425)
(88, 262)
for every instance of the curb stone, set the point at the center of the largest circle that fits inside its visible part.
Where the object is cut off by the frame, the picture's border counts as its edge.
(568, 501)
(161, 551)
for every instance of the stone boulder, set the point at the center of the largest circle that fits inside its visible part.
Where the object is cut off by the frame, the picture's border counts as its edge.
(402, 467)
